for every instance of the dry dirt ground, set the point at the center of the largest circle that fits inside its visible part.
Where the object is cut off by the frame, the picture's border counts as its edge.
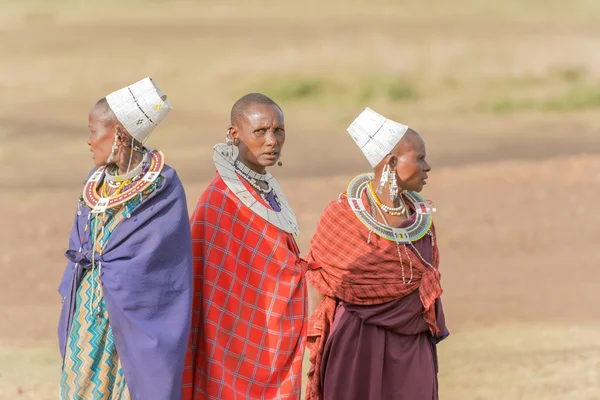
(507, 97)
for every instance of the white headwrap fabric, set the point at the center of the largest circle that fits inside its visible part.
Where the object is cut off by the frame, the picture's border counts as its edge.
(139, 107)
(375, 135)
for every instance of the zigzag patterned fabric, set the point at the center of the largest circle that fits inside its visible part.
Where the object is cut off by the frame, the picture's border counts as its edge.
(92, 369)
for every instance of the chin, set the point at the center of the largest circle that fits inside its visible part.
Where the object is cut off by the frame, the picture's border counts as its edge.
(99, 163)
(269, 163)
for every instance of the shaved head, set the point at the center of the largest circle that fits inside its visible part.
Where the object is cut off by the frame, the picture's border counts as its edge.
(242, 105)
(408, 142)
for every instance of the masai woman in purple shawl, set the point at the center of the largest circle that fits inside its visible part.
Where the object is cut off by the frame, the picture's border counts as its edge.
(127, 289)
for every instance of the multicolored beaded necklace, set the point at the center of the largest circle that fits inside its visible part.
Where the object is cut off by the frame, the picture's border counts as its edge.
(412, 233)
(395, 211)
(125, 191)
(401, 236)
(146, 176)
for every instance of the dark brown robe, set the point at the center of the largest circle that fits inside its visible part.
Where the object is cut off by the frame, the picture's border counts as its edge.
(384, 351)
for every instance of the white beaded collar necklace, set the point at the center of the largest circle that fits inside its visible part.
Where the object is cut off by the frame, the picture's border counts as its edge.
(135, 172)
(248, 172)
(284, 220)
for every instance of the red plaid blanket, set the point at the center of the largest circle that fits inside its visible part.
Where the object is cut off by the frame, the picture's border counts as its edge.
(249, 308)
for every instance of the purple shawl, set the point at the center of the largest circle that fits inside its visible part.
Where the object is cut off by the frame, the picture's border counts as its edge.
(147, 286)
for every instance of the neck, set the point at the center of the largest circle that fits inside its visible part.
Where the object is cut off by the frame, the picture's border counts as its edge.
(123, 163)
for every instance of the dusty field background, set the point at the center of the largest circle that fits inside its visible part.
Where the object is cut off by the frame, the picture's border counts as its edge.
(506, 95)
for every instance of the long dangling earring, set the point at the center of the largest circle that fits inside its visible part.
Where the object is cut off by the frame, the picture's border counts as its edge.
(385, 177)
(130, 156)
(393, 186)
(114, 149)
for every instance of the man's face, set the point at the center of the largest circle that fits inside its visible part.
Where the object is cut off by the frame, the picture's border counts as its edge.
(411, 166)
(261, 135)
(101, 136)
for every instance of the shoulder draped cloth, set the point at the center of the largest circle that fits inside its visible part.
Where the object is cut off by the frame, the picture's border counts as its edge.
(347, 263)
(147, 286)
(249, 307)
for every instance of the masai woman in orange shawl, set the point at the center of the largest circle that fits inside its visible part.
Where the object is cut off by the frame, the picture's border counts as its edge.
(374, 269)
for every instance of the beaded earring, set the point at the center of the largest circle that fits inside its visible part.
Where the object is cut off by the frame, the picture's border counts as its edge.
(393, 186)
(385, 177)
(114, 149)
(130, 156)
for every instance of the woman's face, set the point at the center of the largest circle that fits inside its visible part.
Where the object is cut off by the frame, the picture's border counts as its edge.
(102, 135)
(411, 167)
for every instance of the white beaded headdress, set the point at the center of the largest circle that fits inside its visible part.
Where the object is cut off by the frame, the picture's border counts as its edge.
(140, 107)
(375, 135)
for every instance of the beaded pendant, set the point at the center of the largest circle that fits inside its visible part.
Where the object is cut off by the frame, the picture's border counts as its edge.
(412, 233)
(99, 204)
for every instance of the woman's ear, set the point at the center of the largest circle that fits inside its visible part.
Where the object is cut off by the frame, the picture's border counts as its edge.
(393, 161)
(232, 132)
(119, 132)
(234, 135)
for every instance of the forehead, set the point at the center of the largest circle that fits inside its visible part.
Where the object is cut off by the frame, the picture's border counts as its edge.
(262, 115)
(96, 113)
(99, 114)
(411, 143)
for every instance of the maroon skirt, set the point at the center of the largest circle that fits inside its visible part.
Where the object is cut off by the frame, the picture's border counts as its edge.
(382, 352)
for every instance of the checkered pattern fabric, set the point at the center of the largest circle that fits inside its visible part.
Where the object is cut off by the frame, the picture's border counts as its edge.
(348, 263)
(249, 309)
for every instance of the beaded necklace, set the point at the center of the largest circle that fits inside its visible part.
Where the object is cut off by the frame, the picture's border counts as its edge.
(114, 179)
(241, 167)
(283, 219)
(252, 177)
(374, 211)
(412, 233)
(144, 176)
(127, 189)
(403, 237)
(395, 211)
(97, 222)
